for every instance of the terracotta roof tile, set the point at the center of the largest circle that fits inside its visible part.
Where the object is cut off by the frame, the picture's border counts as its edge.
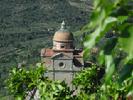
(47, 52)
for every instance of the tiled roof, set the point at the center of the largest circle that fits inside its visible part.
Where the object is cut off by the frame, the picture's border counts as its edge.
(47, 52)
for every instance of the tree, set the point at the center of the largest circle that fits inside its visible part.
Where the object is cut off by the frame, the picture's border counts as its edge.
(112, 36)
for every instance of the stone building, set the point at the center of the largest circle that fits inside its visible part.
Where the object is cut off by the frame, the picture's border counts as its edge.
(63, 60)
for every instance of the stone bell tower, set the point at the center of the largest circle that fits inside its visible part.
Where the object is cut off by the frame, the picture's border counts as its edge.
(63, 60)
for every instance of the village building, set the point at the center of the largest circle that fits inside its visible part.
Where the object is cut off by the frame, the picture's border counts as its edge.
(63, 60)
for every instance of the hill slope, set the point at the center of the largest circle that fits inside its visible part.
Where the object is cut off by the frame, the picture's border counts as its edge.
(26, 23)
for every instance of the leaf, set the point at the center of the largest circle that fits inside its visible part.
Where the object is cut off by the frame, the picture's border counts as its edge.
(126, 43)
(53, 87)
(109, 45)
(86, 53)
(110, 67)
(101, 58)
(18, 98)
(121, 19)
(126, 71)
(109, 20)
(94, 37)
(60, 87)
(108, 24)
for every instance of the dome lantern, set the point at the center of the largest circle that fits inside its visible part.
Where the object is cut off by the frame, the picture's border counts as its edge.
(63, 25)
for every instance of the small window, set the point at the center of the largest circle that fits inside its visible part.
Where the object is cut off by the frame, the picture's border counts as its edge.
(62, 46)
(61, 64)
(71, 46)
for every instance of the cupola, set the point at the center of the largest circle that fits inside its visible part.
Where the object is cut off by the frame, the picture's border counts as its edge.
(63, 39)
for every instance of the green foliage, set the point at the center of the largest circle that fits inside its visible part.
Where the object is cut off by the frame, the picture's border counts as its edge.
(21, 82)
(126, 41)
(111, 25)
(54, 90)
(91, 77)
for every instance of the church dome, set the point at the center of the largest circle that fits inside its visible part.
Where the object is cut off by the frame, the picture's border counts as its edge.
(63, 35)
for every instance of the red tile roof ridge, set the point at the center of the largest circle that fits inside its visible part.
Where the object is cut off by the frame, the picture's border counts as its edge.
(47, 52)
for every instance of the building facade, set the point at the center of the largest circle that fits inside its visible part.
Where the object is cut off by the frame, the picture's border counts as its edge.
(63, 60)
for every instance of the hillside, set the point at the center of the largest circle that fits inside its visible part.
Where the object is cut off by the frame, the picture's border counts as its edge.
(26, 26)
